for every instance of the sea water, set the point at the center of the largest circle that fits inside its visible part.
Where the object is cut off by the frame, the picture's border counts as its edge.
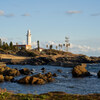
(63, 82)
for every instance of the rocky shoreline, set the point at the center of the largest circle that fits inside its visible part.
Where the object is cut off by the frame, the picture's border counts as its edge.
(47, 57)
(58, 61)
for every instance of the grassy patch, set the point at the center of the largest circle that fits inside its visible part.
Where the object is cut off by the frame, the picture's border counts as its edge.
(4, 95)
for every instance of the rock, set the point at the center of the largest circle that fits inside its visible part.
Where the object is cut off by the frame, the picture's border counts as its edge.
(2, 69)
(25, 80)
(25, 71)
(59, 70)
(33, 79)
(43, 70)
(69, 64)
(8, 78)
(38, 75)
(55, 75)
(98, 74)
(1, 78)
(80, 71)
(48, 74)
(83, 59)
(40, 82)
(37, 79)
(45, 78)
(51, 79)
(12, 72)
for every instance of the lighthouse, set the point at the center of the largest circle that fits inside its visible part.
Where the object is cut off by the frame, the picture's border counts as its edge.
(28, 37)
(28, 45)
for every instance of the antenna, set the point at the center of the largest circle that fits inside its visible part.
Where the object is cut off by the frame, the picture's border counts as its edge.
(67, 44)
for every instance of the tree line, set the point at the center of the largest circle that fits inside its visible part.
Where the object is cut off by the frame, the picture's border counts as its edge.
(6, 46)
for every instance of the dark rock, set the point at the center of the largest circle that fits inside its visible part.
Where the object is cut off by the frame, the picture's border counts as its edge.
(59, 70)
(43, 70)
(69, 64)
(98, 74)
(25, 71)
(83, 59)
(55, 75)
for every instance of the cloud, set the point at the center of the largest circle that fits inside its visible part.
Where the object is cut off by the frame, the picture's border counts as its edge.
(9, 15)
(4, 39)
(73, 12)
(95, 14)
(1, 13)
(26, 15)
(82, 48)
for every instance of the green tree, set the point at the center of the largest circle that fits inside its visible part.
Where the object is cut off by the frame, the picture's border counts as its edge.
(4, 46)
(59, 46)
(38, 45)
(11, 45)
(47, 46)
(51, 46)
(56, 47)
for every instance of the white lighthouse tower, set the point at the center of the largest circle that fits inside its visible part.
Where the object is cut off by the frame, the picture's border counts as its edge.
(28, 37)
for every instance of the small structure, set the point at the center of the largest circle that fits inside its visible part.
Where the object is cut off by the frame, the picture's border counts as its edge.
(40, 49)
(28, 45)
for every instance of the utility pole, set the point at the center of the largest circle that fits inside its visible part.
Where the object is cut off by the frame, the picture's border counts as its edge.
(67, 44)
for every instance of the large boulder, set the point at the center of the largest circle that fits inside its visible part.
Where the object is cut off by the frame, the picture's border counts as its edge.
(80, 71)
(1, 78)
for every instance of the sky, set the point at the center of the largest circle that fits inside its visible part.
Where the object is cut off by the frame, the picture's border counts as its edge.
(50, 21)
